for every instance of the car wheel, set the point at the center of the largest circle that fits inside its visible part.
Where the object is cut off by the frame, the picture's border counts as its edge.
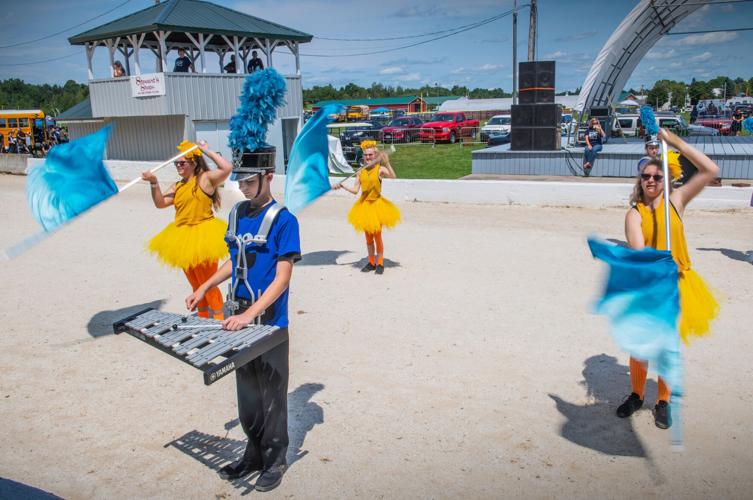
(452, 138)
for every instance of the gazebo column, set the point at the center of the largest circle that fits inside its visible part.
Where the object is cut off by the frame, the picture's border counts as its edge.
(162, 41)
(126, 54)
(111, 48)
(200, 44)
(270, 47)
(294, 49)
(89, 55)
(136, 41)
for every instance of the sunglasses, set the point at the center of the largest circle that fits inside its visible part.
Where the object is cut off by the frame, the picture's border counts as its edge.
(179, 163)
(656, 177)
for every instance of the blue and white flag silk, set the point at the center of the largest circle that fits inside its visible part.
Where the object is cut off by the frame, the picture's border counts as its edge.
(642, 301)
(72, 179)
(308, 174)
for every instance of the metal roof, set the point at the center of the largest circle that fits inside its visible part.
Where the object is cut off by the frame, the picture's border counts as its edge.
(440, 99)
(80, 111)
(646, 24)
(381, 101)
(193, 16)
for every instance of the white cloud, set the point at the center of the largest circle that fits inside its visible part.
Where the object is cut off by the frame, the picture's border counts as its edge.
(708, 38)
(458, 71)
(391, 70)
(702, 57)
(555, 55)
(490, 67)
(658, 54)
(676, 65)
(410, 77)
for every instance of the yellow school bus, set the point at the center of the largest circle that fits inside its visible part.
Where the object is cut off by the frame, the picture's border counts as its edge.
(13, 120)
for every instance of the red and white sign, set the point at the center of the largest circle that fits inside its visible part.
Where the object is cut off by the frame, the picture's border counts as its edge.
(148, 85)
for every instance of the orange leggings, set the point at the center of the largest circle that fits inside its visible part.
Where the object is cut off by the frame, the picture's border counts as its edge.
(372, 238)
(212, 301)
(638, 374)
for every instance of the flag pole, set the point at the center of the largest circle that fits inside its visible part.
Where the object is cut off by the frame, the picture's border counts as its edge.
(665, 167)
(161, 165)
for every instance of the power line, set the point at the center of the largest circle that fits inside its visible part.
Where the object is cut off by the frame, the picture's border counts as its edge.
(63, 31)
(40, 62)
(431, 33)
(467, 28)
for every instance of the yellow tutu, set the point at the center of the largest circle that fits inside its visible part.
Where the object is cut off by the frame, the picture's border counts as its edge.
(371, 216)
(698, 307)
(188, 245)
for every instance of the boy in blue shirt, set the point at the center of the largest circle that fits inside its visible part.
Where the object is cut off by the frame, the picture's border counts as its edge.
(262, 384)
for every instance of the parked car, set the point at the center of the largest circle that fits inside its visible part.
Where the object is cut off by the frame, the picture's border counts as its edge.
(358, 132)
(497, 139)
(721, 123)
(403, 129)
(496, 125)
(695, 129)
(628, 124)
(448, 127)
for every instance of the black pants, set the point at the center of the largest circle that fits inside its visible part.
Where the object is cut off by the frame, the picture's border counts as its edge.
(263, 406)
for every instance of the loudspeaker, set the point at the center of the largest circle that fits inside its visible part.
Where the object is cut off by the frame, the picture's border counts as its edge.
(535, 139)
(526, 75)
(536, 115)
(536, 75)
(535, 95)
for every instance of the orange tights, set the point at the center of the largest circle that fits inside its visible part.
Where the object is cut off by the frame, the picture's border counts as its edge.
(212, 301)
(638, 373)
(371, 239)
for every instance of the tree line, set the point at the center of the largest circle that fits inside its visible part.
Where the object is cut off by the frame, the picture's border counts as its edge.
(698, 90)
(52, 99)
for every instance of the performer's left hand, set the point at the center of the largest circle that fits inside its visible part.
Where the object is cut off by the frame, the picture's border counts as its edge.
(203, 145)
(237, 322)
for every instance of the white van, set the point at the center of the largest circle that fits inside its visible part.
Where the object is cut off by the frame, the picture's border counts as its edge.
(629, 124)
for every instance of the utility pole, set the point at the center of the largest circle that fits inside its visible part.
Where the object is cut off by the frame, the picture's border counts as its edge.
(515, 52)
(532, 32)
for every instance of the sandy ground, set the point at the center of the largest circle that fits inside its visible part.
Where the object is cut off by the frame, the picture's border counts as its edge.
(471, 368)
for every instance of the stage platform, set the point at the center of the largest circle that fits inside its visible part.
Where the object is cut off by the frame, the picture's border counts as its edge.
(619, 158)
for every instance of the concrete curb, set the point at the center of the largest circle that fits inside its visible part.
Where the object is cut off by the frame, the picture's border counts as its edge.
(482, 192)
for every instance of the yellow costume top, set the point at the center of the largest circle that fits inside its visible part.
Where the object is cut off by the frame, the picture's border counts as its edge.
(697, 305)
(196, 235)
(372, 211)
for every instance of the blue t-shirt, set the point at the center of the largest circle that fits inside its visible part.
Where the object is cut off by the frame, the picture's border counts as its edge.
(594, 137)
(283, 241)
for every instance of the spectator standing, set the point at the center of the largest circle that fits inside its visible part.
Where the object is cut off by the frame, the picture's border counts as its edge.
(183, 63)
(737, 122)
(693, 114)
(230, 67)
(255, 62)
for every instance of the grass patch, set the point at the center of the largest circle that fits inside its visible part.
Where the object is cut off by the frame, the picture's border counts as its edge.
(444, 161)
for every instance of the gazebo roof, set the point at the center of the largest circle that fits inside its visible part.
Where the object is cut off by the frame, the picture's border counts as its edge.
(192, 16)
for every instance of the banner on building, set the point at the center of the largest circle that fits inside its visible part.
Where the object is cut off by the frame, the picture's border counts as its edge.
(149, 85)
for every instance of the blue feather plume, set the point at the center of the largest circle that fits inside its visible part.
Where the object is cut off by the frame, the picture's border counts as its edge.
(748, 124)
(649, 120)
(263, 92)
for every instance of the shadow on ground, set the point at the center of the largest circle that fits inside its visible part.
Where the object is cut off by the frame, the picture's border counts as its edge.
(731, 254)
(101, 323)
(595, 425)
(330, 257)
(215, 451)
(12, 489)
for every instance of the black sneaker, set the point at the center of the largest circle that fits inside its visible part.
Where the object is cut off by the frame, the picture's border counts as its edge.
(239, 469)
(368, 267)
(270, 478)
(630, 406)
(379, 269)
(662, 415)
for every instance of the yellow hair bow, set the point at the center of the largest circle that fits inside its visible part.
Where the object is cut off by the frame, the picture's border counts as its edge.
(185, 146)
(368, 143)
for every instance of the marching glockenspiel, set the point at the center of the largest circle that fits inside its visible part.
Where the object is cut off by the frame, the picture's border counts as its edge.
(202, 342)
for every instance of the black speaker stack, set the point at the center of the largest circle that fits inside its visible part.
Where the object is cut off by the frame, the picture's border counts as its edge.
(536, 120)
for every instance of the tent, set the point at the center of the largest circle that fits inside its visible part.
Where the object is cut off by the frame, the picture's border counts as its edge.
(381, 110)
(629, 102)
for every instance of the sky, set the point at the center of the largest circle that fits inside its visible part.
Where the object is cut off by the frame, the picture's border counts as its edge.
(572, 32)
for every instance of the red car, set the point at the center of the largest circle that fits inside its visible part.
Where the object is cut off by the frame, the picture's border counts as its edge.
(448, 127)
(403, 129)
(721, 123)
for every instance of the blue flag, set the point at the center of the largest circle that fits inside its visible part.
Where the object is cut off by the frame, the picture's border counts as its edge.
(642, 302)
(72, 179)
(308, 174)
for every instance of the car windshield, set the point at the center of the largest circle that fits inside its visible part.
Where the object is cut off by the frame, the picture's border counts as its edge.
(399, 123)
(499, 120)
(444, 118)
